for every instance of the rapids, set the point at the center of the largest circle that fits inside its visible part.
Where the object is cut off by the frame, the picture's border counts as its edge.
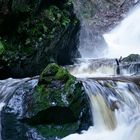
(116, 111)
(115, 105)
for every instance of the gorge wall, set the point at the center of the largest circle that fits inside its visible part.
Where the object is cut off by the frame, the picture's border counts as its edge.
(35, 33)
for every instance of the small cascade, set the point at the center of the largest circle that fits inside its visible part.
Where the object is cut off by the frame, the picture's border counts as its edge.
(116, 111)
(93, 68)
(103, 118)
(132, 68)
(103, 68)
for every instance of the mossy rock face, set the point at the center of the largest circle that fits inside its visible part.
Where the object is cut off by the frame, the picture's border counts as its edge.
(58, 100)
(132, 58)
(4, 70)
(1, 48)
(36, 33)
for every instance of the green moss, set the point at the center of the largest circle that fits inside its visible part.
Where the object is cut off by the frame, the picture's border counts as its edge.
(57, 131)
(41, 99)
(76, 102)
(49, 71)
(70, 82)
(62, 83)
(62, 74)
(45, 98)
(22, 8)
(34, 32)
(1, 48)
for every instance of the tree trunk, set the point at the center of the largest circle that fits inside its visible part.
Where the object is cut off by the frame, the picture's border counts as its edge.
(135, 79)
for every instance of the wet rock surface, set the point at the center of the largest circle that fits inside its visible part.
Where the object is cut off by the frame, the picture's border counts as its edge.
(56, 106)
(59, 101)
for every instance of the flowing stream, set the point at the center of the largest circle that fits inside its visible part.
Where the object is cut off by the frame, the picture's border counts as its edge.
(115, 105)
(116, 111)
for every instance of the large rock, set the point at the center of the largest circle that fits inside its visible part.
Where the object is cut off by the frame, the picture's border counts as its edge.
(58, 100)
(57, 107)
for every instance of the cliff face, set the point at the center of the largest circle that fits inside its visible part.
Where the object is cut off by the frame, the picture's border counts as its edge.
(35, 33)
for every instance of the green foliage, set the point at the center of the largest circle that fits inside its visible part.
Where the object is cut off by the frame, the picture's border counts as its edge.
(65, 21)
(57, 16)
(1, 48)
(22, 8)
(36, 31)
(62, 74)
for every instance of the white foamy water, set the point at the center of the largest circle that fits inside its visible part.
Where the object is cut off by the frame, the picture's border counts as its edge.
(125, 38)
(119, 123)
(115, 106)
(93, 68)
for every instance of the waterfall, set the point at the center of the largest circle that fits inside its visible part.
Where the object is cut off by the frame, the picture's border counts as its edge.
(125, 38)
(116, 111)
(94, 42)
(115, 105)
(89, 39)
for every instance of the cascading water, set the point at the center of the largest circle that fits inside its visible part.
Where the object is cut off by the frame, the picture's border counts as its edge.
(116, 111)
(85, 10)
(125, 38)
(121, 41)
(115, 105)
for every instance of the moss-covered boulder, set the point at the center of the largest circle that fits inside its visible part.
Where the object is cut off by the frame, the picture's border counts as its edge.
(59, 105)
